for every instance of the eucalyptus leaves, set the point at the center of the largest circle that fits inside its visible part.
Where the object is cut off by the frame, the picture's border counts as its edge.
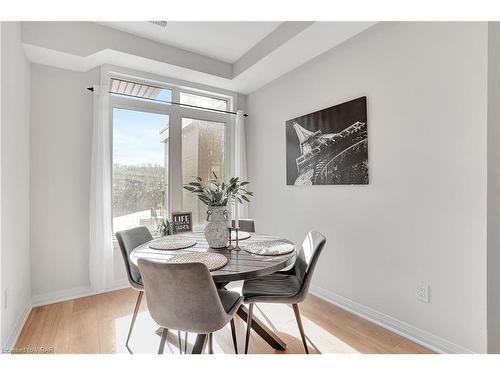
(216, 193)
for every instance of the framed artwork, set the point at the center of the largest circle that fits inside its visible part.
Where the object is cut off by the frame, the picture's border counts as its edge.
(329, 147)
(182, 222)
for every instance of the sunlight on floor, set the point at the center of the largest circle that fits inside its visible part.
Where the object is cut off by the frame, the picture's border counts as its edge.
(145, 340)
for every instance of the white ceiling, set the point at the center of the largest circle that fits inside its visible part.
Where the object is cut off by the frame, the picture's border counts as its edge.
(225, 41)
(259, 56)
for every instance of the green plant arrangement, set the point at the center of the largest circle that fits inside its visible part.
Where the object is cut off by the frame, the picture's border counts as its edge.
(165, 227)
(216, 193)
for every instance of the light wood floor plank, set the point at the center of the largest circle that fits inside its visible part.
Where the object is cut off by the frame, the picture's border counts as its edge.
(84, 332)
(62, 339)
(99, 324)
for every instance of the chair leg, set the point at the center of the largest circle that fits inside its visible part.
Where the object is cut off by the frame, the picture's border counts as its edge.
(233, 333)
(301, 328)
(164, 333)
(136, 310)
(185, 342)
(204, 344)
(249, 326)
(180, 343)
(210, 343)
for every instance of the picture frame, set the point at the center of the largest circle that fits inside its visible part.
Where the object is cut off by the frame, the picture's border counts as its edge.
(329, 146)
(182, 222)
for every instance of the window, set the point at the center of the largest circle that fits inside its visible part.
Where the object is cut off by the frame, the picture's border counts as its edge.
(158, 147)
(203, 149)
(140, 91)
(140, 168)
(203, 101)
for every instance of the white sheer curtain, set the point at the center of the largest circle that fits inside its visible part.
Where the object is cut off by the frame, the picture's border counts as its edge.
(240, 166)
(101, 246)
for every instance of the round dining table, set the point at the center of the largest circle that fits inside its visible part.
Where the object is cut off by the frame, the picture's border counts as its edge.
(241, 265)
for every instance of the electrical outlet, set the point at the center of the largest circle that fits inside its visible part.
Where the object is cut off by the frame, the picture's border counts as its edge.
(423, 291)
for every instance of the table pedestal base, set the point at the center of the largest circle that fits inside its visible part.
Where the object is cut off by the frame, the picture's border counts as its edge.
(262, 330)
(257, 325)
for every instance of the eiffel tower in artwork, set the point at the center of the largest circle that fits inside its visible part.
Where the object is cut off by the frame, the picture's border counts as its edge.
(311, 144)
(326, 158)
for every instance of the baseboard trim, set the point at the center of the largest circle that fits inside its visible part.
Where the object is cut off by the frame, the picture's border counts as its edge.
(11, 341)
(62, 295)
(68, 294)
(406, 330)
(119, 284)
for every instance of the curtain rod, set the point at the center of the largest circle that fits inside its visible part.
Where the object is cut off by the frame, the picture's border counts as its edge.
(174, 103)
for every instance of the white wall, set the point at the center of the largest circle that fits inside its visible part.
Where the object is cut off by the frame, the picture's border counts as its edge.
(493, 187)
(15, 159)
(1, 288)
(423, 216)
(61, 136)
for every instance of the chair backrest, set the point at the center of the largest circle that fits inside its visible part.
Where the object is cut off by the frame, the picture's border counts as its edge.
(182, 296)
(307, 259)
(246, 225)
(128, 241)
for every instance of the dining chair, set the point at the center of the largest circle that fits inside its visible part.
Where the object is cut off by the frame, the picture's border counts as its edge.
(246, 225)
(128, 241)
(184, 297)
(290, 287)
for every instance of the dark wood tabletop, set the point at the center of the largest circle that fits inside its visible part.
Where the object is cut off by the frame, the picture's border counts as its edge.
(240, 266)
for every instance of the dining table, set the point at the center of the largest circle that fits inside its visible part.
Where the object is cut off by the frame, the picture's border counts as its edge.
(241, 265)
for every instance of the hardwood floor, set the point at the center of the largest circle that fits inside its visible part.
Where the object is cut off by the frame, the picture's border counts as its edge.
(99, 324)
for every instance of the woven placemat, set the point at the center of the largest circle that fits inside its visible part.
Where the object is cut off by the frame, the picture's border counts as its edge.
(242, 235)
(171, 243)
(269, 247)
(213, 261)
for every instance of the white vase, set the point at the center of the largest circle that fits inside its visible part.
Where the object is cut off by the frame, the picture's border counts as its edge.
(216, 231)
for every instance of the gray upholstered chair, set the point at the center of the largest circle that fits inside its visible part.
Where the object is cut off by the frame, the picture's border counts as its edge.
(128, 241)
(246, 225)
(184, 297)
(289, 287)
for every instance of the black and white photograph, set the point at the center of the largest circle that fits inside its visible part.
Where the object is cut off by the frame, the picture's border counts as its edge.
(328, 147)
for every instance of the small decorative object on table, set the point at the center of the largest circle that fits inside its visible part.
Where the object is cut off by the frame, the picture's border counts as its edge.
(217, 195)
(165, 228)
(236, 246)
(181, 222)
